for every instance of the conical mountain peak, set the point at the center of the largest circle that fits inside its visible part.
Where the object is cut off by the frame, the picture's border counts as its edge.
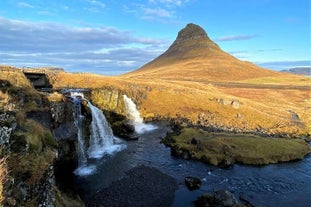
(191, 31)
(193, 55)
(191, 42)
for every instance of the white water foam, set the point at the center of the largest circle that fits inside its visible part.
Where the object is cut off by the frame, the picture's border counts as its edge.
(102, 140)
(134, 116)
(85, 170)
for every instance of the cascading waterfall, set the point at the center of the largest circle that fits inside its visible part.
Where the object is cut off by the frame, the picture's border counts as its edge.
(78, 121)
(101, 140)
(134, 116)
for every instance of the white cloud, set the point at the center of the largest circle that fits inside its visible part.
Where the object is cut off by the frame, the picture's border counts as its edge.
(157, 12)
(25, 5)
(235, 37)
(97, 3)
(74, 48)
(169, 3)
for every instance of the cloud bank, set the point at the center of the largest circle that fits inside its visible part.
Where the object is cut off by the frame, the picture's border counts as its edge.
(75, 48)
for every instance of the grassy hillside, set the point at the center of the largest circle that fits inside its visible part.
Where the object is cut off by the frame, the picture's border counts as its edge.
(269, 107)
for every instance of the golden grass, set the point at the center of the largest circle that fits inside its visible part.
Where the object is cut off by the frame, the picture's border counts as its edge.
(3, 174)
(261, 106)
(14, 75)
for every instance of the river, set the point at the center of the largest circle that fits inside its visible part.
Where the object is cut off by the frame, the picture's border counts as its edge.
(285, 184)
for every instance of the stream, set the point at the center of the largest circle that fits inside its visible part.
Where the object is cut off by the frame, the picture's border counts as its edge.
(285, 184)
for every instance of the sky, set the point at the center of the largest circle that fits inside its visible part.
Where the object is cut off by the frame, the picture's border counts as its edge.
(112, 37)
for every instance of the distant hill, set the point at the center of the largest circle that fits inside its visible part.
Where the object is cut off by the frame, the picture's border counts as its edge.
(194, 56)
(299, 71)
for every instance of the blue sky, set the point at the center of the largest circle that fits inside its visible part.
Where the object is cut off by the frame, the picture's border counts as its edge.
(112, 37)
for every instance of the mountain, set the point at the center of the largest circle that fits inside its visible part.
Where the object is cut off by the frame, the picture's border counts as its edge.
(194, 56)
(299, 71)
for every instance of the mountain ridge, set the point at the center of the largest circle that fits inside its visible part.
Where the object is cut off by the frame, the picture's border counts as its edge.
(299, 71)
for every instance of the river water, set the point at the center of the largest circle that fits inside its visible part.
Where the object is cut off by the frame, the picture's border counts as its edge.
(285, 184)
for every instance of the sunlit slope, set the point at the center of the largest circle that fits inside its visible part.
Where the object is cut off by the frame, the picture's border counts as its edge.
(193, 56)
(245, 108)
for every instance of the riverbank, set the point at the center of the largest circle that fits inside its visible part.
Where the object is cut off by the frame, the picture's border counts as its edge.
(225, 149)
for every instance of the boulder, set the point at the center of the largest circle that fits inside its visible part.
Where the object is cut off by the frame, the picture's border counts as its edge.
(221, 198)
(192, 183)
(225, 198)
(194, 141)
(124, 130)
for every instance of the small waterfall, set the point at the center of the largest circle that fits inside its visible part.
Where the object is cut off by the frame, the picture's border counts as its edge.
(101, 140)
(78, 121)
(134, 116)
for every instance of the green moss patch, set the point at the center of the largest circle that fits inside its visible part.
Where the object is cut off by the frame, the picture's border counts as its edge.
(218, 148)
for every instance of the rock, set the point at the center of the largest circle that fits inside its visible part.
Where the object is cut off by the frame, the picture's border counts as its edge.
(175, 151)
(179, 152)
(124, 130)
(200, 146)
(192, 183)
(205, 201)
(227, 163)
(235, 104)
(60, 112)
(294, 115)
(194, 141)
(7, 126)
(225, 198)
(220, 198)
(42, 117)
(5, 133)
(129, 128)
(108, 99)
(185, 154)
(7, 119)
(5, 83)
(66, 130)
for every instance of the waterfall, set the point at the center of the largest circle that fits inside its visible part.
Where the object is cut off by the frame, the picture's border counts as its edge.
(101, 140)
(134, 116)
(78, 121)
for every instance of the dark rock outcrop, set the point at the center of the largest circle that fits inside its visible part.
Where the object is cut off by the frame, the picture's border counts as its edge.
(142, 186)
